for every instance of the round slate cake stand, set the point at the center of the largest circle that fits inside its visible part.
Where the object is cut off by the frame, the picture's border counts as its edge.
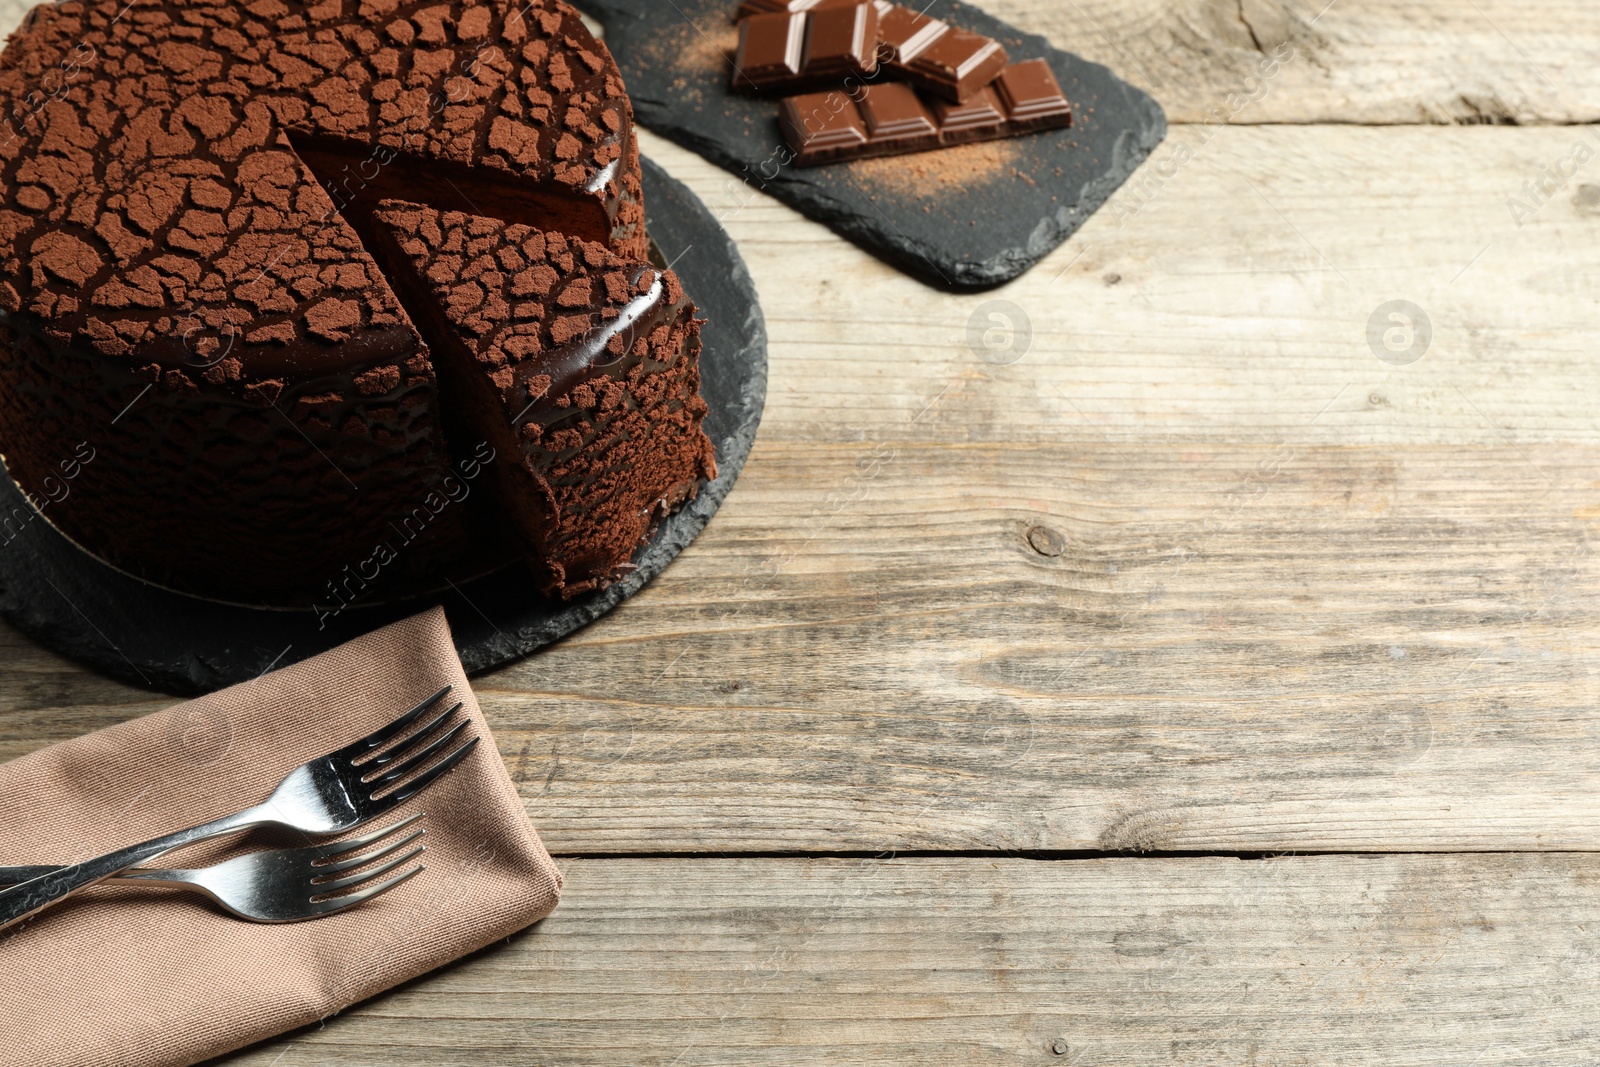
(73, 602)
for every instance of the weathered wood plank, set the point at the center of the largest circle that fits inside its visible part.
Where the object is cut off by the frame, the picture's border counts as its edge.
(45, 698)
(1198, 572)
(1361, 61)
(1311, 660)
(1303, 598)
(1334, 960)
(1226, 292)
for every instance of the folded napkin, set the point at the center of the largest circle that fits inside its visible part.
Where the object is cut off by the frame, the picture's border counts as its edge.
(133, 977)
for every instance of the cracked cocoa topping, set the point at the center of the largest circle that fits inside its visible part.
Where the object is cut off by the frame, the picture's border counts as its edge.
(161, 187)
(186, 193)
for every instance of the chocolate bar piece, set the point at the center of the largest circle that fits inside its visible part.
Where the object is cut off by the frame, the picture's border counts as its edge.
(891, 118)
(895, 117)
(956, 65)
(1032, 97)
(904, 33)
(824, 46)
(851, 37)
(976, 120)
(793, 7)
(824, 128)
(941, 59)
(771, 50)
(841, 41)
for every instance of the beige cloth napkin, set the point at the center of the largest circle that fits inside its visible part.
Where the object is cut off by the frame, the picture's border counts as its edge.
(137, 978)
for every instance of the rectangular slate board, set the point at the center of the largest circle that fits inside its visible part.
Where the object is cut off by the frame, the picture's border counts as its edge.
(972, 217)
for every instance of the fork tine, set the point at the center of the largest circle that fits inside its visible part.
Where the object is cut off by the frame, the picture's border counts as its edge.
(337, 904)
(321, 888)
(388, 733)
(429, 776)
(420, 757)
(399, 749)
(340, 866)
(355, 844)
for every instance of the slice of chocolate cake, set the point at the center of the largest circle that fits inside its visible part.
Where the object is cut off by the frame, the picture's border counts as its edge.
(578, 365)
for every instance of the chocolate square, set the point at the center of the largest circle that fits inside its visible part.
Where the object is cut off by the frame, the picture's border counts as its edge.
(893, 112)
(770, 48)
(794, 7)
(842, 40)
(822, 126)
(957, 64)
(903, 33)
(1032, 96)
(978, 118)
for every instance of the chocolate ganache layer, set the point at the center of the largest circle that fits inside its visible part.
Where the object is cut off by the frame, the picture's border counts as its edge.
(186, 206)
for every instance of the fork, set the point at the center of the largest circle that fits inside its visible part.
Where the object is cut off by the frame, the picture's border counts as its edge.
(328, 795)
(285, 885)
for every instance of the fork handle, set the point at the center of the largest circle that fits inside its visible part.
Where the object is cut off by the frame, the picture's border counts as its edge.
(17, 875)
(31, 897)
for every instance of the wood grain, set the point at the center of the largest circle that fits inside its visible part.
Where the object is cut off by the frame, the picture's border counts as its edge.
(1196, 571)
(1406, 961)
(1303, 598)
(1225, 293)
(1345, 61)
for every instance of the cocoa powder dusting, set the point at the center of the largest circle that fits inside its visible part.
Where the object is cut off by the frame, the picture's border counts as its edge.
(937, 175)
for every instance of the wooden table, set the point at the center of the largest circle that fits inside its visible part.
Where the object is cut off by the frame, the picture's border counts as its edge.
(1196, 688)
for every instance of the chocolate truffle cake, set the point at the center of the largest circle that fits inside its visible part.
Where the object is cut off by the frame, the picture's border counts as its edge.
(186, 198)
(580, 365)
